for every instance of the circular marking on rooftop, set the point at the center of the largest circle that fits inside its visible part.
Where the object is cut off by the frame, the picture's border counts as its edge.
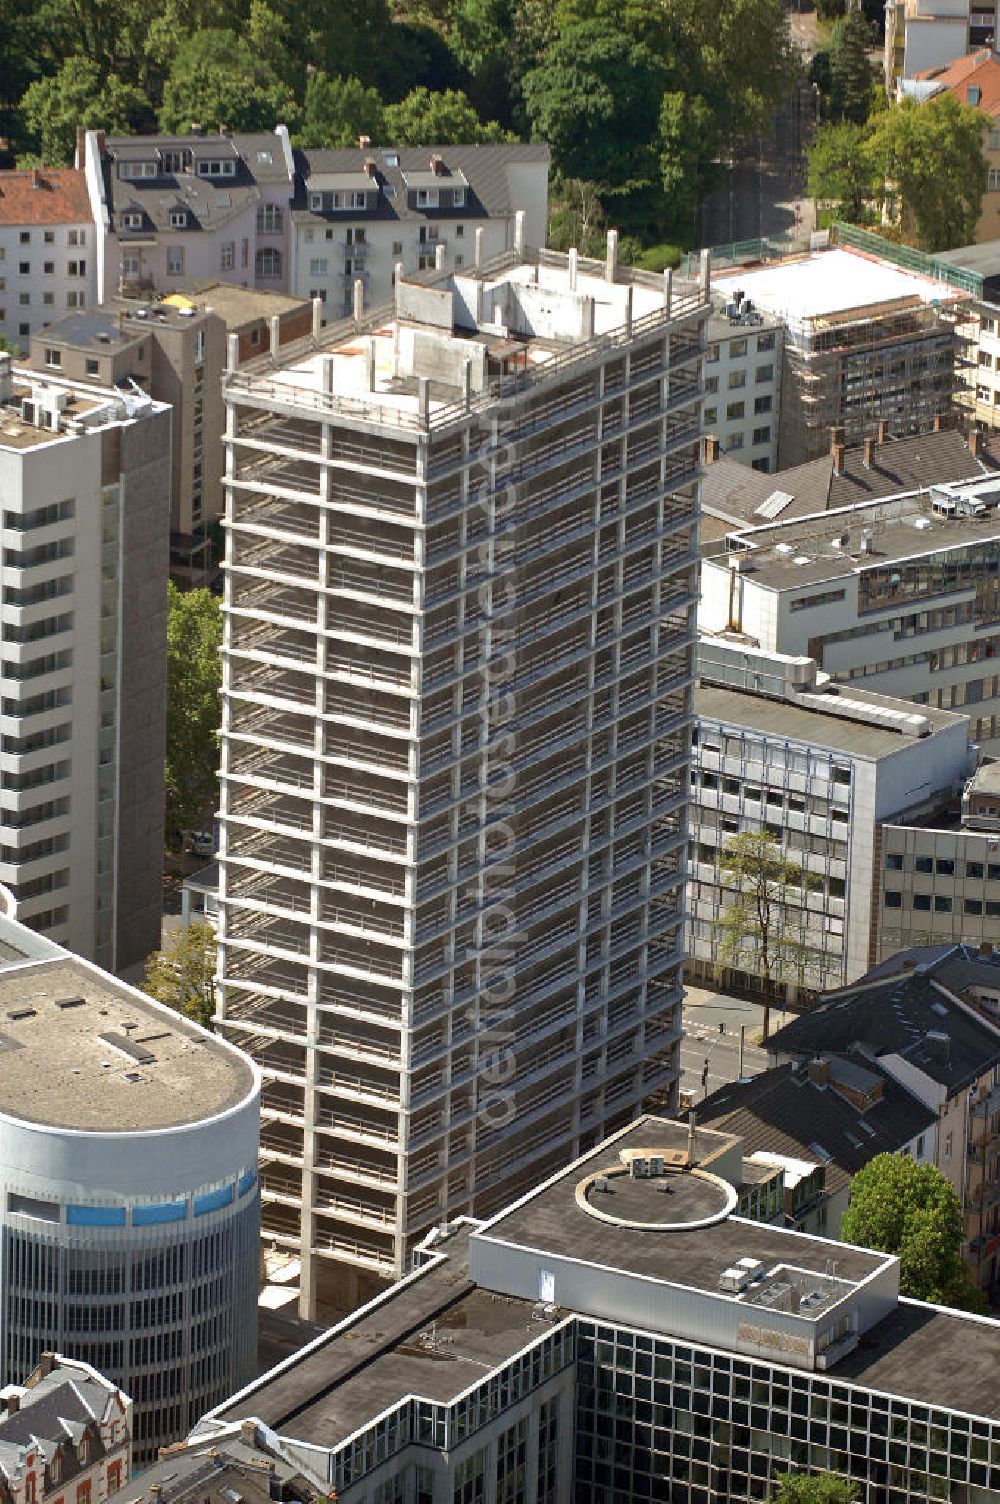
(677, 1200)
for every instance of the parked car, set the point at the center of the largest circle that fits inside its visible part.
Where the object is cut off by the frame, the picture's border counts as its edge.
(201, 843)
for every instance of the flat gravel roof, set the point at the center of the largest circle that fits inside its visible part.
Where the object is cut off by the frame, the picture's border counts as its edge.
(79, 1050)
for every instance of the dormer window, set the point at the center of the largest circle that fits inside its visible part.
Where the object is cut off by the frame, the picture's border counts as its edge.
(423, 198)
(132, 219)
(359, 201)
(391, 158)
(137, 170)
(316, 202)
(55, 1468)
(458, 198)
(178, 219)
(216, 169)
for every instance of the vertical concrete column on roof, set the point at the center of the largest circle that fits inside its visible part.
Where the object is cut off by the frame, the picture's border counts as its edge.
(397, 281)
(275, 324)
(519, 219)
(668, 288)
(611, 257)
(479, 245)
(439, 258)
(232, 352)
(467, 384)
(328, 373)
(359, 300)
(628, 311)
(370, 362)
(424, 397)
(706, 269)
(587, 319)
(572, 261)
(317, 324)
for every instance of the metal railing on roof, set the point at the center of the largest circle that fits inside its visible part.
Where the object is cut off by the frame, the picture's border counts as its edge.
(252, 375)
(909, 258)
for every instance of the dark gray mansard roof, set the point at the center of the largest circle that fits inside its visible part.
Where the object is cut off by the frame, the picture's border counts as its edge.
(211, 202)
(484, 171)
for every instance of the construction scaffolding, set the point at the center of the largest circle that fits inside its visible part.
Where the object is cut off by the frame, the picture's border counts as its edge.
(895, 363)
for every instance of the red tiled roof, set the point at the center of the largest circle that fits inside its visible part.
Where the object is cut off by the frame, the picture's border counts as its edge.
(44, 196)
(977, 70)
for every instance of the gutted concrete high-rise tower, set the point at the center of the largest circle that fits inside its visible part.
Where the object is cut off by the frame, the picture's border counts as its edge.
(459, 605)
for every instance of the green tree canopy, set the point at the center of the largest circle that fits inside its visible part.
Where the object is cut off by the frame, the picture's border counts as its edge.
(339, 110)
(761, 927)
(911, 1210)
(182, 974)
(194, 708)
(444, 118)
(851, 74)
(813, 1488)
(930, 167)
(840, 175)
(53, 107)
(216, 79)
(596, 100)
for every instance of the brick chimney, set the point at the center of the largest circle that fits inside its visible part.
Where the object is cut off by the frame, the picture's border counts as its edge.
(81, 146)
(101, 141)
(819, 1071)
(883, 432)
(46, 1364)
(974, 442)
(938, 422)
(37, 181)
(869, 458)
(710, 449)
(365, 144)
(13, 1404)
(437, 166)
(248, 1432)
(837, 454)
(370, 165)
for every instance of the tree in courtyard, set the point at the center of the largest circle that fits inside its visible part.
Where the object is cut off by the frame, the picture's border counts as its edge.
(194, 706)
(217, 79)
(911, 1210)
(438, 117)
(761, 928)
(840, 176)
(812, 1488)
(78, 94)
(851, 69)
(339, 110)
(595, 98)
(182, 974)
(929, 164)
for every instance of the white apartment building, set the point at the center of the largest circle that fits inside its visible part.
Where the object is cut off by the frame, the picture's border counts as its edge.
(459, 630)
(361, 212)
(743, 383)
(175, 211)
(48, 252)
(779, 749)
(85, 487)
(922, 34)
(900, 596)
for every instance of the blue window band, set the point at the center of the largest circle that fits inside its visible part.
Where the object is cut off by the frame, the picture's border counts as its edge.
(164, 1211)
(211, 1201)
(246, 1182)
(96, 1216)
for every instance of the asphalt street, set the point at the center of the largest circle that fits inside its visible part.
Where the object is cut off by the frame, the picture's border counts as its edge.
(704, 1012)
